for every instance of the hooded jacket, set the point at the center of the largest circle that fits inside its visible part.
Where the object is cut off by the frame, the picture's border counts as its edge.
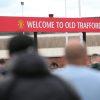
(33, 81)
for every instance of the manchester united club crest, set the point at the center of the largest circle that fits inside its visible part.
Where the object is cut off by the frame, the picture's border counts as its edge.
(21, 23)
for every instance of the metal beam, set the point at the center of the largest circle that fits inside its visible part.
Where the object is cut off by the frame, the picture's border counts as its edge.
(36, 40)
(84, 36)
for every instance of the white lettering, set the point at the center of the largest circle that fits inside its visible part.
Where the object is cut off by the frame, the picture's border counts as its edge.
(40, 24)
(29, 24)
(60, 24)
(70, 25)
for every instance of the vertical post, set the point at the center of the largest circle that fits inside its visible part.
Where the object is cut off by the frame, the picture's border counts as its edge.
(84, 36)
(36, 40)
(22, 4)
(66, 33)
(79, 7)
(65, 9)
(83, 33)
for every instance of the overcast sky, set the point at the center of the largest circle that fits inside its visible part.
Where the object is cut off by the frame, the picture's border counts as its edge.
(41, 8)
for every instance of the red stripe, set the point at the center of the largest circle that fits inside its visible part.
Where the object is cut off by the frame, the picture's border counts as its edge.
(42, 24)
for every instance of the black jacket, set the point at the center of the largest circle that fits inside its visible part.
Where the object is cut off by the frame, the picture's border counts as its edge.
(96, 66)
(31, 80)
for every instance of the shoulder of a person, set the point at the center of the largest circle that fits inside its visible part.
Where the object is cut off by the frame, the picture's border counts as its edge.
(94, 74)
(5, 83)
(66, 87)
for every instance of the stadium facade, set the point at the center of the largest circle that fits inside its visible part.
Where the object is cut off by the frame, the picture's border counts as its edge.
(52, 45)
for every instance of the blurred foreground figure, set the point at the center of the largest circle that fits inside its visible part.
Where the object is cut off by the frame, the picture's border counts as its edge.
(16, 45)
(84, 79)
(31, 80)
(20, 43)
(2, 67)
(95, 60)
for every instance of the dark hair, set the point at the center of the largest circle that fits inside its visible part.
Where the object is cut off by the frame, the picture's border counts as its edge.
(20, 43)
(54, 64)
(2, 61)
(95, 55)
(28, 64)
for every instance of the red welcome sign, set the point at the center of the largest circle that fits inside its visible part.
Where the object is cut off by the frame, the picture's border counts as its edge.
(43, 24)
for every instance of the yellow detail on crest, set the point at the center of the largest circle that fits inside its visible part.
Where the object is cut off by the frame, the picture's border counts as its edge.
(21, 23)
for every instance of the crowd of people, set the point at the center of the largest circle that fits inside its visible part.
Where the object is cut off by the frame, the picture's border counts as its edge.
(95, 61)
(27, 76)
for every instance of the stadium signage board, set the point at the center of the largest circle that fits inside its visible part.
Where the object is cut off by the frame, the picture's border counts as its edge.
(45, 24)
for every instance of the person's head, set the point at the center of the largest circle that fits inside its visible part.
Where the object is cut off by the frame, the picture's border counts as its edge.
(2, 65)
(95, 58)
(28, 64)
(76, 52)
(20, 43)
(54, 65)
(2, 61)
